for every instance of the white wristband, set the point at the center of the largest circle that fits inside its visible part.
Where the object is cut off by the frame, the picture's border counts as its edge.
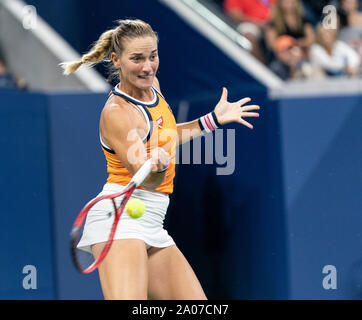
(208, 122)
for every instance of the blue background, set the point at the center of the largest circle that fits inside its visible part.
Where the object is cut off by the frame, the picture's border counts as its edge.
(292, 206)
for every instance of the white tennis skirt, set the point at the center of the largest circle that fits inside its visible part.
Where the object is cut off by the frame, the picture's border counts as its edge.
(148, 228)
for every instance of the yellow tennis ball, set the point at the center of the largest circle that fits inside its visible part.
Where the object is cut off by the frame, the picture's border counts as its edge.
(135, 208)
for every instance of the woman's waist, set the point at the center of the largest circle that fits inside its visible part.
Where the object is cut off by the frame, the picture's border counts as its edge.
(110, 187)
(123, 177)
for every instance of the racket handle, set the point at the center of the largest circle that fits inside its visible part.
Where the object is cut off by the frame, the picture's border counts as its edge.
(142, 173)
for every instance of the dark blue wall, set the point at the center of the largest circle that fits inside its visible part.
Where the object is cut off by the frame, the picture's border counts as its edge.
(226, 215)
(291, 206)
(26, 233)
(78, 171)
(322, 172)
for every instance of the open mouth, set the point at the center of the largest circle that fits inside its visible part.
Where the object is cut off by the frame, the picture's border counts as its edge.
(146, 77)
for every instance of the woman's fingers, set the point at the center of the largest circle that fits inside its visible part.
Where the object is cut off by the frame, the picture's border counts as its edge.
(243, 101)
(249, 114)
(160, 159)
(245, 123)
(224, 95)
(251, 107)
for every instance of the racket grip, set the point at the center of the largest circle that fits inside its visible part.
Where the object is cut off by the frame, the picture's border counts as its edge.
(142, 173)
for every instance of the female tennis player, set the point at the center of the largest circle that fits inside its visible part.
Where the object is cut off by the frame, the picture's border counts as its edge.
(136, 123)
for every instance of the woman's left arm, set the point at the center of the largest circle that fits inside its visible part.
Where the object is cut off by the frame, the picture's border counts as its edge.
(225, 112)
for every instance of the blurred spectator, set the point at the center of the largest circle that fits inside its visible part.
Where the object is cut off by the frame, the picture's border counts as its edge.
(251, 16)
(288, 19)
(8, 80)
(289, 62)
(335, 57)
(287, 57)
(349, 14)
(351, 24)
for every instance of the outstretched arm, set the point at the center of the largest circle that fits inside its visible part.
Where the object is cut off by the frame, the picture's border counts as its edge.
(225, 112)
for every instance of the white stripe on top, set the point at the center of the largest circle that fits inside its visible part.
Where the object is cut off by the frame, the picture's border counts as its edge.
(139, 101)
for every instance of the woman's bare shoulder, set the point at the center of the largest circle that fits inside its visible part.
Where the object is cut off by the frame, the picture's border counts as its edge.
(115, 105)
(116, 115)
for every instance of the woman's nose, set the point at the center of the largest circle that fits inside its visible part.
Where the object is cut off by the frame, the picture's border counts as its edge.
(147, 67)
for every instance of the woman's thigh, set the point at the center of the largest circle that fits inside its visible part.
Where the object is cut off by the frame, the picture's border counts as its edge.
(123, 272)
(171, 277)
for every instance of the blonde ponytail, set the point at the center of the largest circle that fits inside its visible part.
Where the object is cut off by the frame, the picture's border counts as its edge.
(70, 67)
(99, 51)
(111, 41)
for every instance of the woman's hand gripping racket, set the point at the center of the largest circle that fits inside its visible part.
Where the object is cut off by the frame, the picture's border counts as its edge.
(83, 260)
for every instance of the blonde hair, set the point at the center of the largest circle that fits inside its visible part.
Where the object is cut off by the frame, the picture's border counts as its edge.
(278, 16)
(111, 41)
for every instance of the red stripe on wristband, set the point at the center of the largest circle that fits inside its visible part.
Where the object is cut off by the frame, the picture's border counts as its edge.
(208, 122)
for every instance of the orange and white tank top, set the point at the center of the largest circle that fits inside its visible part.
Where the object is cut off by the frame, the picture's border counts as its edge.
(162, 132)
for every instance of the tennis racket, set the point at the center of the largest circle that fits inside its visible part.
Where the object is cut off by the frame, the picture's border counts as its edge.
(83, 260)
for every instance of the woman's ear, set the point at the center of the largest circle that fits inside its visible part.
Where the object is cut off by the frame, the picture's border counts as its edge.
(116, 60)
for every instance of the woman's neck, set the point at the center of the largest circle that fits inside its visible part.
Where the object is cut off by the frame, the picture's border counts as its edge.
(137, 93)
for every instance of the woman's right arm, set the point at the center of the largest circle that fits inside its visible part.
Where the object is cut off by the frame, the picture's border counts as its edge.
(122, 136)
(309, 37)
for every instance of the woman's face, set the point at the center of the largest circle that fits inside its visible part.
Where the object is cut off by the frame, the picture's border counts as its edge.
(349, 5)
(288, 5)
(139, 61)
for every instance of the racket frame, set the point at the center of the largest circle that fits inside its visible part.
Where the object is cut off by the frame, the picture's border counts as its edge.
(137, 179)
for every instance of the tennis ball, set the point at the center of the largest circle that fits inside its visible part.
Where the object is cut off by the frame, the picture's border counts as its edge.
(135, 208)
